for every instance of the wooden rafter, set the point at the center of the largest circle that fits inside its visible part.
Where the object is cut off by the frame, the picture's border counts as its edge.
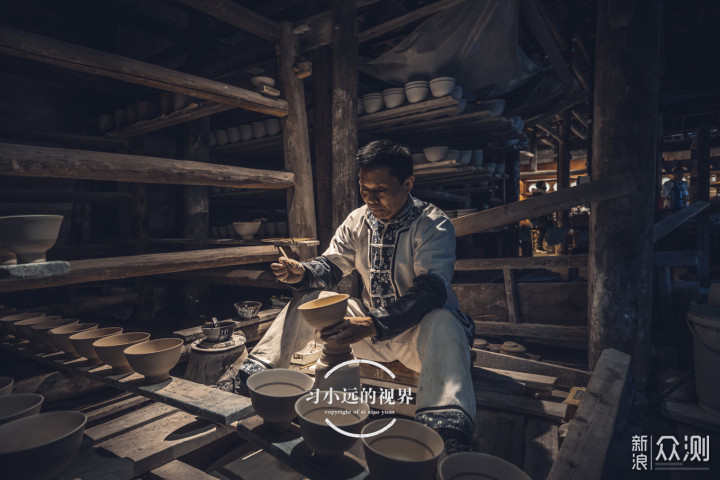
(238, 16)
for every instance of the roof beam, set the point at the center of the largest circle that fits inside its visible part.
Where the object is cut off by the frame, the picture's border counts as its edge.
(403, 20)
(237, 16)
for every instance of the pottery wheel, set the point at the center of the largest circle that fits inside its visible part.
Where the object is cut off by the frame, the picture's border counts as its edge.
(202, 345)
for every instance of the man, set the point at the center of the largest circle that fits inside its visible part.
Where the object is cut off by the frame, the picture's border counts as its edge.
(540, 223)
(404, 250)
(675, 192)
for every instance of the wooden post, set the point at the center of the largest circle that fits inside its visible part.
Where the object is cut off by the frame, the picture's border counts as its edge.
(624, 140)
(140, 231)
(296, 143)
(322, 82)
(512, 194)
(563, 172)
(344, 120)
(702, 194)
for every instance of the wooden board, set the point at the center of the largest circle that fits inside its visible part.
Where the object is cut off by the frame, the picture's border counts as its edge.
(120, 403)
(556, 333)
(521, 262)
(524, 405)
(177, 470)
(674, 220)
(129, 421)
(236, 276)
(500, 434)
(583, 451)
(531, 380)
(412, 108)
(541, 448)
(691, 414)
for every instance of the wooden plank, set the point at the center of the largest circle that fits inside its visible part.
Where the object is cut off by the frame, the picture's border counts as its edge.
(193, 111)
(164, 440)
(500, 434)
(236, 276)
(531, 380)
(677, 258)
(511, 294)
(535, 330)
(12, 195)
(74, 57)
(177, 470)
(521, 262)
(404, 110)
(29, 161)
(566, 377)
(125, 401)
(129, 421)
(596, 191)
(691, 414)
(541, 448)
(583, 451)
(238, 16)
(411, 118)
(99, 269)
(674, 220)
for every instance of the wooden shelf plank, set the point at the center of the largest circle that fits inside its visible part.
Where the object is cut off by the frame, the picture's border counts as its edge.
(29, 161)
(521, 262)
(236, 276)
(264, 144)
(535, 330)
(74, 57)
(191, 112)
(99, 269)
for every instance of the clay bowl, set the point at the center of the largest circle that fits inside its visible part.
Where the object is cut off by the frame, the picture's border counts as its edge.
(110, 349)
(23, 328)
(40, 331)
(248, 309)
(435, 154)
(407, 449)
(19, 405)
(314, 409)
(222, 333)
(324, 312)
(452, 155)
(60, 337)
(154, 358)
(478, 465)
(442, 86)
(246, 229)
(7, 324)
(82, 342)
(40, 446)
(6, 385)
(29, 236)
(262, 81)
(273, 394)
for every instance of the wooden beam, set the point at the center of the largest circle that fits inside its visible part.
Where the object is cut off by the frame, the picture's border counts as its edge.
(410, 17)
(674, 220)
(521, 262)
(28, 161)
(534, 330)
(511, 294)
(192, 112)
(74, 57)
(322, 132)
(15, 195)
(238, 16)
(99, 269)
(582, 454)
(236, 276)
(597, 191)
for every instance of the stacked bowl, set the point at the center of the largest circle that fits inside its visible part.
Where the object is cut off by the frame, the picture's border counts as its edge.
(393, 97)
(245, 132)
(442, 86)
(373, 102)
(417, 91)
(233, 134)
(258, 129)
(272, 126)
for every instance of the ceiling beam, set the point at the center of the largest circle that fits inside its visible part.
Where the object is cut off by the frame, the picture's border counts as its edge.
(238, 16)
(403, 20)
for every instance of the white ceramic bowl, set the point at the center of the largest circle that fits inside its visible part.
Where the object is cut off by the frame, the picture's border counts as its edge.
(258, 129)
(155, 358)
(452, 155)
(19, 405)
(435, 154)
(245, 132)
(393, 97)
(246, 229)
(29, 236)
(417, 94)
(442, 86)
(373, 102)
(272, 126)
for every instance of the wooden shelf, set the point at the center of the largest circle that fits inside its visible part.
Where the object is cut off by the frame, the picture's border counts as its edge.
(191, 112)
(94, 270)
(236, 277)
(453, 175)
(256, 145)
(424, 110)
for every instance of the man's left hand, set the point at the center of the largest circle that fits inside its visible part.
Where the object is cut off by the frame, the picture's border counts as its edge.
(350, 330)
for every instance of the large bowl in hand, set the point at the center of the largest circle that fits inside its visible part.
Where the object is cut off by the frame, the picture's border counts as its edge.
(29, 236)
(324, 312)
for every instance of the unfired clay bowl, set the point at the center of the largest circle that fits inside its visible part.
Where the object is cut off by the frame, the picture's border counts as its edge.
(478, 465)
(407, 449)
(248, 309)
(60, 337)
(82, 342)
(6, 385)
(324, 312)
(435, 154)
(40, 331)
(40, 446)
(274, 393)
(321, 437)
(7, 324)
(29, 236)
(19, 405)
(246, 230)
(23, 328)
(110, 349)
(155, 358)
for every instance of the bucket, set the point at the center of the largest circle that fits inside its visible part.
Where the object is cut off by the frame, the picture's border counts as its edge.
(706, 351)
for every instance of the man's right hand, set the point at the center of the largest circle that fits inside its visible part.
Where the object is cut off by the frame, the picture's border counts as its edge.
(288, 270)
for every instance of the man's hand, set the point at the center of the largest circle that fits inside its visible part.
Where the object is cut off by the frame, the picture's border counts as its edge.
(350, 330)
(288, 270)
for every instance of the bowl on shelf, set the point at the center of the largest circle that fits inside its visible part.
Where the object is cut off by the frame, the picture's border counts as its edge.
(272, 126)
(324, 312)
(40, 446)
(6, 385)
(477, 157)
(452, 155)
(406, 449)
(233, 134)
(478, 465)
(393, 97)
(465, 157)
(41, 331)
(82, 342)
(29, 236)
(258, 129)
(419, 158)
(7, 323)
(222, 137)
(457, 92)
(19, 405)
(222, 333)
(417, 91)
(60, 337)
(273, 394)
(435, 154)
(373, 102)
(245, 132)
(261, 81)
(248, 309)
(495, 106)
(110, 349)
(490, 168)
(246, 230)
(442, 86)
(23, 328)
(155, 358)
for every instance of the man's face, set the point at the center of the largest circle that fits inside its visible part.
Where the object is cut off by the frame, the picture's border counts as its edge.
(677, 176)
(384, 194)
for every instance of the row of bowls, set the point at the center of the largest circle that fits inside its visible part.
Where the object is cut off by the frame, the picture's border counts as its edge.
(124, 352)
(247, 230)
(463, 157)
(33, 444)
(243, 133)
(142, 110)
(413, 92)
(394, 448)
(26, 238)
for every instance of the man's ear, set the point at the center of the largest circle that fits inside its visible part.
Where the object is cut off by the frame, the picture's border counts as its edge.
(408, 183)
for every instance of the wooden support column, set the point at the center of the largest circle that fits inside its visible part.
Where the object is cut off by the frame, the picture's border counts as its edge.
(702, 194)
(296, 143)
(512, 194)
(140, 232)
(344, 120)
(533, 150)
(322, 102)
(624, 140)
(563, 171)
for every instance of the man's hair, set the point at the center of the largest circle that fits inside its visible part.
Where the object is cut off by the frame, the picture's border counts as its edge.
(540, 185)
(384, 153)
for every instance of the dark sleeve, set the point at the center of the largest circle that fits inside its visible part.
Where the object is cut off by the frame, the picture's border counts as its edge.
(427, 293)
(320, 274)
